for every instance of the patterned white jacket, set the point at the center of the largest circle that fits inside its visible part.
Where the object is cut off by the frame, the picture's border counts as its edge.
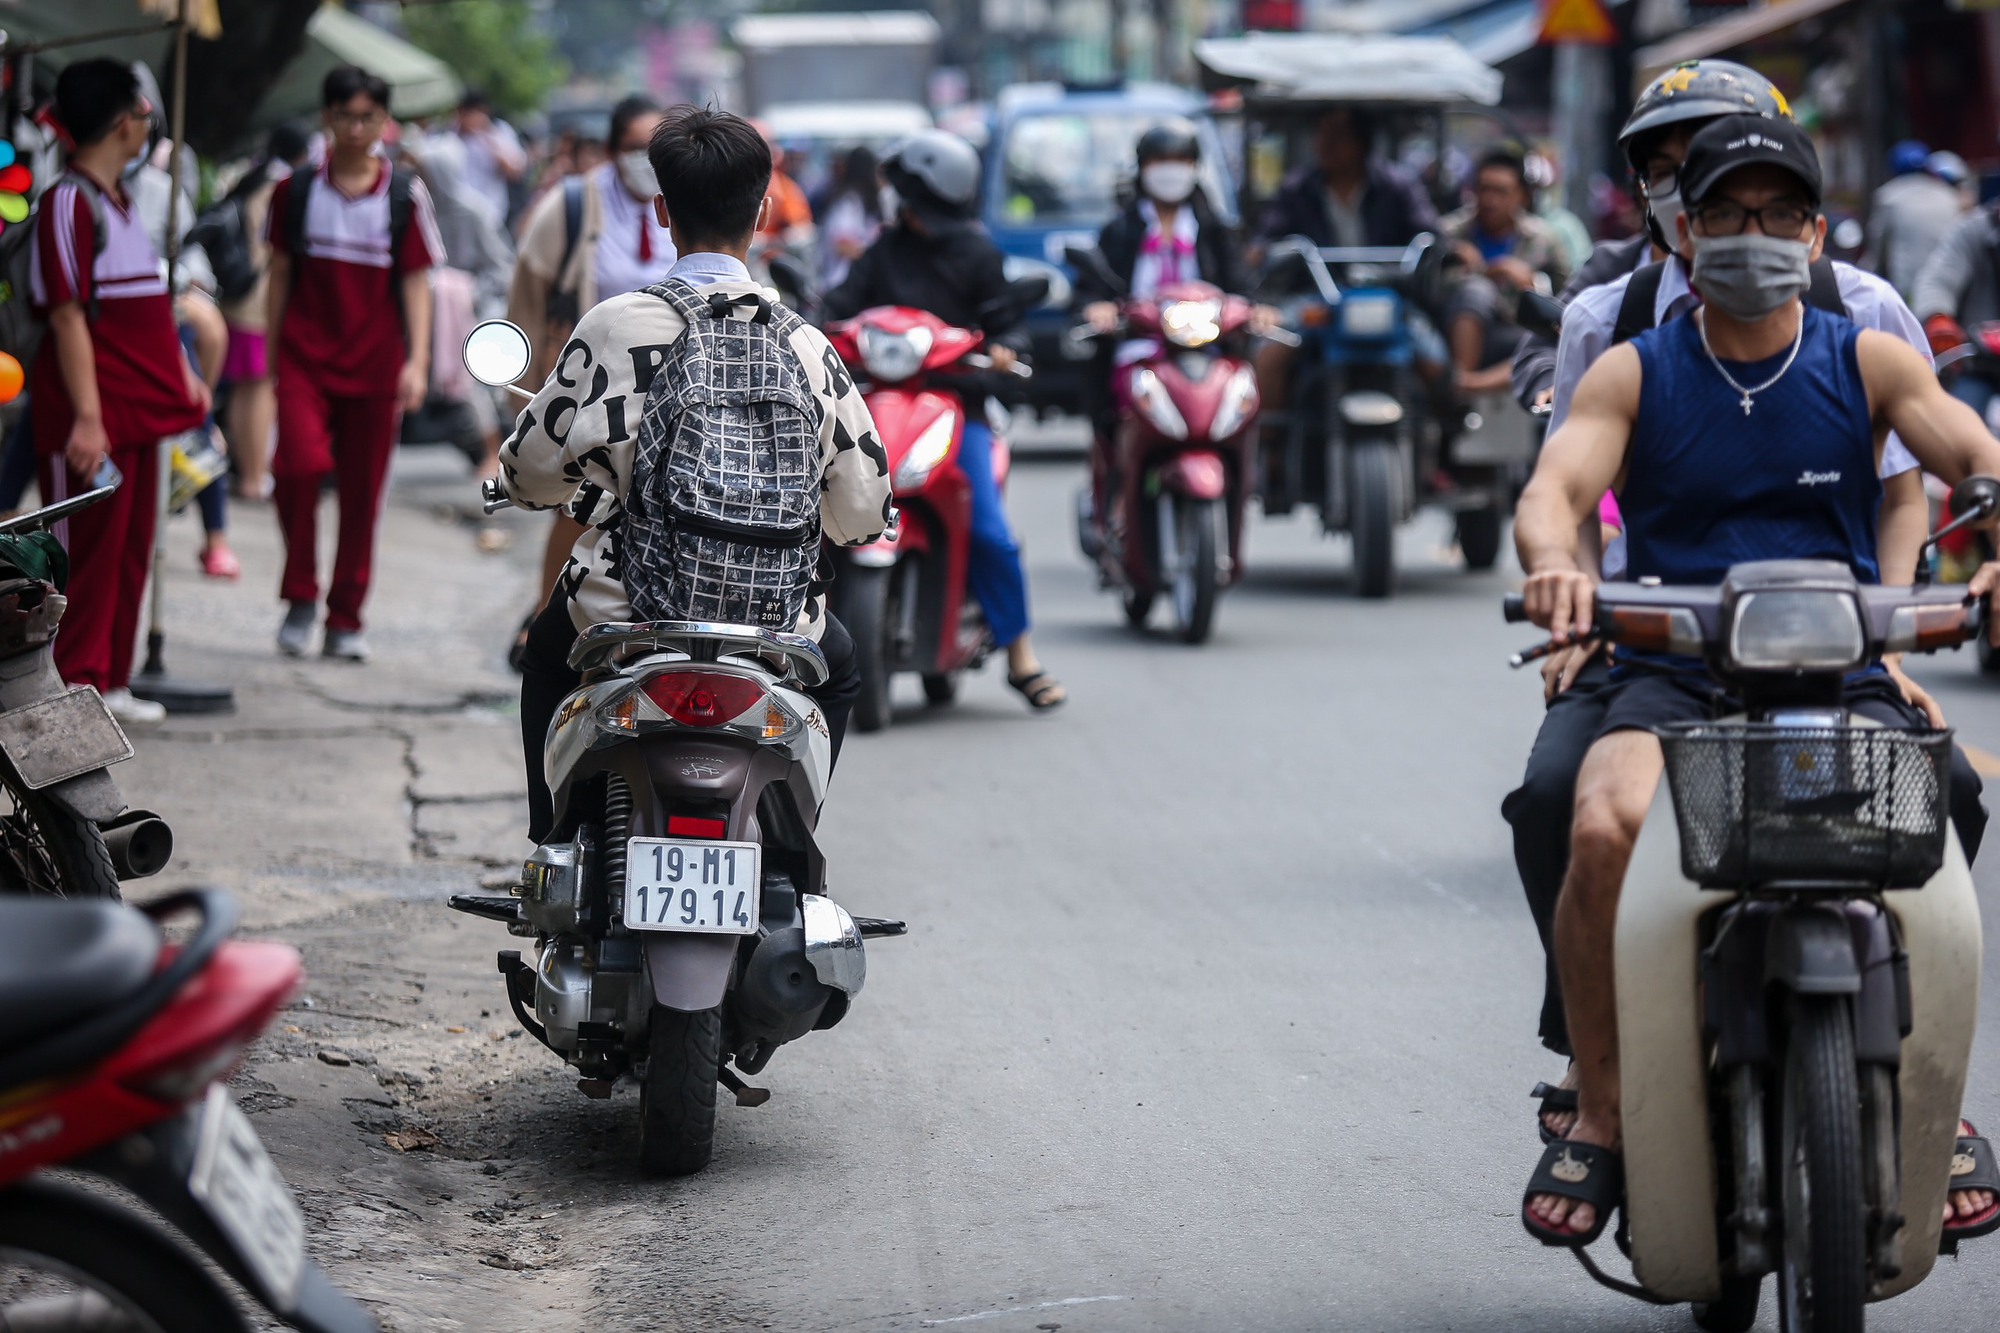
(573, 446)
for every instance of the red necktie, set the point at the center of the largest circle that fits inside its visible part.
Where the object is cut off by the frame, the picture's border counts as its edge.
(645, 240)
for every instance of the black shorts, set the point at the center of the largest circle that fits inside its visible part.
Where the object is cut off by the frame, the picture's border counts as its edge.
(1647, 701)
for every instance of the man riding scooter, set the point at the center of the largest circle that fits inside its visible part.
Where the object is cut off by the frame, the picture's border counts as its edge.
(1655, 138)
(935, 258)
(1749, 431)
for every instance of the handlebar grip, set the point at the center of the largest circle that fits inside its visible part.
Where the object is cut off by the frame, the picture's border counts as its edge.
(1514, 608)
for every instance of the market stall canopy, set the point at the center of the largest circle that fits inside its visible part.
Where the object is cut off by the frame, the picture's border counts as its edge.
(85, 29)
(1714, 38)
(1317, 67)
(419, 83)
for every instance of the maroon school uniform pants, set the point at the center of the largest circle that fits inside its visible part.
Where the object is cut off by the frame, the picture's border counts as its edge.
(110, 549)
(352, 438)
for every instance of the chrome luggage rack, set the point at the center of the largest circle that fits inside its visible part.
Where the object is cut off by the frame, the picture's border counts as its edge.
(701, 641)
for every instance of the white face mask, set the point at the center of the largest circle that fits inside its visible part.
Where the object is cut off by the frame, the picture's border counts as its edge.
(636, 170)
(1168, 182)
(1666, 209)
(889, 202)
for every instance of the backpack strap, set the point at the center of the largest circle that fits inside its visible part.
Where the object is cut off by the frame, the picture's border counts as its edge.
(1823, 291)
(1642, 295)
(402, 212)
(572, 223)
(93, 198)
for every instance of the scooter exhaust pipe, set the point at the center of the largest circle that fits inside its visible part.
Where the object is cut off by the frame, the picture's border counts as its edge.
(140, 844)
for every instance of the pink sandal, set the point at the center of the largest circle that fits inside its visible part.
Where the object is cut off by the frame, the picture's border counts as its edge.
(219, 562)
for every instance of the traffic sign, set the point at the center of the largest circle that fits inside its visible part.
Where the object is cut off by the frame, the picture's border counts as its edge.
(1582, 22)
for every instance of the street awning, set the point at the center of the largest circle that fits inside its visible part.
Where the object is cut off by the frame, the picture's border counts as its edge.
(419, 83)
(1714, 38)
(1330, 67)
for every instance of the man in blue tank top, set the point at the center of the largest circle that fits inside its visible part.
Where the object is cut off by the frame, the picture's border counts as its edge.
(1751, 429)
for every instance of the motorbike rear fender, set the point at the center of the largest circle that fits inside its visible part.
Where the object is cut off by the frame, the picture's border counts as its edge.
(155, 1164)
(690, 972)
(1199, 474)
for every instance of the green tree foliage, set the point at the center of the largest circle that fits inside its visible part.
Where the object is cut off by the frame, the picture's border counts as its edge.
(495, 46)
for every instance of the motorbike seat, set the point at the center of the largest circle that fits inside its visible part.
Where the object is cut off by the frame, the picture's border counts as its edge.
(65, 961)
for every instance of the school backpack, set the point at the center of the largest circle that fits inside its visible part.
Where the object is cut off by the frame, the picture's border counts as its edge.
(222, 230)
(721, 520)
(21, 329)
(402, 209)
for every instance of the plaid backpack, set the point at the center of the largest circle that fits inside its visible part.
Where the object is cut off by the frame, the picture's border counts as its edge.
(721, 520)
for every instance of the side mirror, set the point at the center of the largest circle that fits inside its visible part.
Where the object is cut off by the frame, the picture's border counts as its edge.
(1015, 300)
(1089, 259)
(1978, 496)
(497, 353)
(1540, 315)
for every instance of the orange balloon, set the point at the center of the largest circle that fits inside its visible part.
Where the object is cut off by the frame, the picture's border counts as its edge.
(10, 378)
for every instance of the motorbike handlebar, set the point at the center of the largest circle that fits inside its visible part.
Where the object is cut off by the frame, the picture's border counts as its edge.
(1514, 607)
(491, 498)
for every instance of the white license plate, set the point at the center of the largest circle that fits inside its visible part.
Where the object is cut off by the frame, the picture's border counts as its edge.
(692, 885)
(239, 1185)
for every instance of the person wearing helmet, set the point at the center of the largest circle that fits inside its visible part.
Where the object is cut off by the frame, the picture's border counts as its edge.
(1167, 233)
(1606, 306)
(932, 255)
(1909, 216)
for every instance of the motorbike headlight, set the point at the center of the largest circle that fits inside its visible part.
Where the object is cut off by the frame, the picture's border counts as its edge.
(1368, 316)
(1158, 404)
(1239, 400)
(1785, 629)
(926, 452)
(893, 357)
(1191, 323)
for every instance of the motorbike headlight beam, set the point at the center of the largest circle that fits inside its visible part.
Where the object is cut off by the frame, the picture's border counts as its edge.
(1239, 399)
(1191, 323)
(930, 448)
(892, 357)
(1158, 404)
(1797, 629)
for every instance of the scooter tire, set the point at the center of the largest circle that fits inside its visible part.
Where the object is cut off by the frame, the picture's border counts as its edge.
(865, 612)
(1378, 486)
(941, 688)
(1823, 1271)
(117, 1253)
(1479, 534)
(1199, 582)
(1735, 1310)
(1138, 608)
(677, 1091)
(49, 850)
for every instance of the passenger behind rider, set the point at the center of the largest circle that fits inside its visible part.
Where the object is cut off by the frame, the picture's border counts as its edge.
(1506, 249)
(1705, 486)
(1655, 138)
(713, 172)
(1169, 233)
(935, 257)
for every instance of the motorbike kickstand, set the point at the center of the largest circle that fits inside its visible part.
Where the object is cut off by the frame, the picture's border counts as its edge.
(745, 1094)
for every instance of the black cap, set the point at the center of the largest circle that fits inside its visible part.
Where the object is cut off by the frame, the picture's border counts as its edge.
(1742, 141)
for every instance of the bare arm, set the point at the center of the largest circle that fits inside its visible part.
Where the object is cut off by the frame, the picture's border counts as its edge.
(276, 289)
(417, 309)
(87, 444)
(1946, 436)
(1900, 529)
(1578, 464)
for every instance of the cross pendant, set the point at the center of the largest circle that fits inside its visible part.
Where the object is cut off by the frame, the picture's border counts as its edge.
(1746, 404)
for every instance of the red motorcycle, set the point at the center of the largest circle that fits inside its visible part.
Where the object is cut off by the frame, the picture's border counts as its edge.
(904, 597)
(1165, 514)
(113, 1047)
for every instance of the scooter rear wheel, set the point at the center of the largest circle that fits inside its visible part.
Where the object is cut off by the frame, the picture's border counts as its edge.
(1823, 1273)
(677, 1093)
(47, 850)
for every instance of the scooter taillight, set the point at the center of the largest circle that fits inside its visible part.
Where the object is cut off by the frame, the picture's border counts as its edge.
(212, 1022)
(703, 698)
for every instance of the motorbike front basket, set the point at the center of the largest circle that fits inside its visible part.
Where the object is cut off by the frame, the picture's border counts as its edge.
(1759, 804)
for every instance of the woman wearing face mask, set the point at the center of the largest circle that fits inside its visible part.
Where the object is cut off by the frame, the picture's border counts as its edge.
(1168, 233)
(594, 237)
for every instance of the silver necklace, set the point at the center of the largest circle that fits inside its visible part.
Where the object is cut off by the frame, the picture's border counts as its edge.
(1798, 341)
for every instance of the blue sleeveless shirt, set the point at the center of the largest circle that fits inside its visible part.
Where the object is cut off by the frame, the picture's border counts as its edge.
(1707, 487)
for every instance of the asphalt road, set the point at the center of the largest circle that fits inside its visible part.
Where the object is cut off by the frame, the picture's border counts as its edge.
(1217, 1010)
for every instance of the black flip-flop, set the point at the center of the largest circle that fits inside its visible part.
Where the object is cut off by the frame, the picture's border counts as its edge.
(1583, 1173)
(1036, 688)
(1554, 1100)
(1973, 1168)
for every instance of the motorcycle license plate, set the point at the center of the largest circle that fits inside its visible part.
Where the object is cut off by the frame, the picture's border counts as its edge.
(692, 885)
(238, 1185)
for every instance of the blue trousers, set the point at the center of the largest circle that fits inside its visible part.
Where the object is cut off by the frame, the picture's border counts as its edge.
(993, 566)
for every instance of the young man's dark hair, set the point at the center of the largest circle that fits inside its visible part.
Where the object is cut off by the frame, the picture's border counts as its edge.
(287, 144)
(91, 95)
(475, 100)
(714, 170)
(1503, 159)
(628, 110)
(345, 83)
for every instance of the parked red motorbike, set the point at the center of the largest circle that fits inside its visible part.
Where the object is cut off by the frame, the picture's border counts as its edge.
(113, 1045)
(1166, 515)
(904, 597)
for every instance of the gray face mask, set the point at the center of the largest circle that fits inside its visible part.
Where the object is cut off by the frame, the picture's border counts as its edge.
(1748, 277)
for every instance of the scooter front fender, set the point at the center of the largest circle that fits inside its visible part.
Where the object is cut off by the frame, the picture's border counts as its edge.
(1198, 474)
(690, 972)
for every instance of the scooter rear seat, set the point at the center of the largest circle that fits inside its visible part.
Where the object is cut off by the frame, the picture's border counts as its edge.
(64, 961)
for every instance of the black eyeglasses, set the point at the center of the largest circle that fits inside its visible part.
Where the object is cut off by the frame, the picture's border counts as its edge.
(1726, 217)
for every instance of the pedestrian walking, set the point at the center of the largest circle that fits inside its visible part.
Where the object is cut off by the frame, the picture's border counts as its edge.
(351, 248)
(111, 380)
(253, 406)
(1909, 216)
